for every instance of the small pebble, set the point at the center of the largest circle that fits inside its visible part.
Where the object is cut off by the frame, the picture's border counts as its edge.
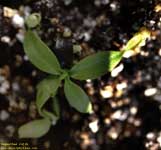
(137, 122)
(18, 21)
(150, 136)
(77, 48)
(67, 2)
(119, 115)
(97, 3)
(32, 110)
(20, 36)
(133, 110)
(150, 91)
(121, 86)
(26, 11)
(113, 6)
(4, 115)
(10, 130)
(54, 122)
(9, 12)
(94, 126)
(47, 144)
(5, 39)
(157, 97)
(106, 92)
(159, 52)
(112, 133)
(159, 140)
(4, 87)
(117, 70)
(157, 8)
(129, 54)
(105, 2)
(67, 33)
(86, 36)
(25, 58)
(2, 78)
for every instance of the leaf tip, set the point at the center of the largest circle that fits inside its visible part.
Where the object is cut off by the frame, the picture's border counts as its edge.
(89, 109)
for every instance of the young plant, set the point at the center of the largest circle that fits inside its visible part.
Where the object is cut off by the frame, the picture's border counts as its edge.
(33, 20)
(91, 67)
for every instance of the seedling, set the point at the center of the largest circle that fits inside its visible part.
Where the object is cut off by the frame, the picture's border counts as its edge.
(91, 67)
(33, 20)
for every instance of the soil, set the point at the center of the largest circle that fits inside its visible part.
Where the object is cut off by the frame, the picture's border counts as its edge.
(129, 119)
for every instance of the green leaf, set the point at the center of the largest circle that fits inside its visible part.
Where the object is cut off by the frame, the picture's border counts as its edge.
(133, 42)
(46, 89)
(64, 74)
(33, 20)
(76, 97)
(96, 65)
(56, 107)
(138, 40)
(40, 55)
(114, 58)
(50, 115)
(34, 129)
(54, 116)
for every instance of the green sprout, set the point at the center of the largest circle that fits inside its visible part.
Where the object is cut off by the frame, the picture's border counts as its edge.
(33, 20)
(91, 67)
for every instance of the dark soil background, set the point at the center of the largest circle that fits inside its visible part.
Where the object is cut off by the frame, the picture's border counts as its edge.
(126, 102)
